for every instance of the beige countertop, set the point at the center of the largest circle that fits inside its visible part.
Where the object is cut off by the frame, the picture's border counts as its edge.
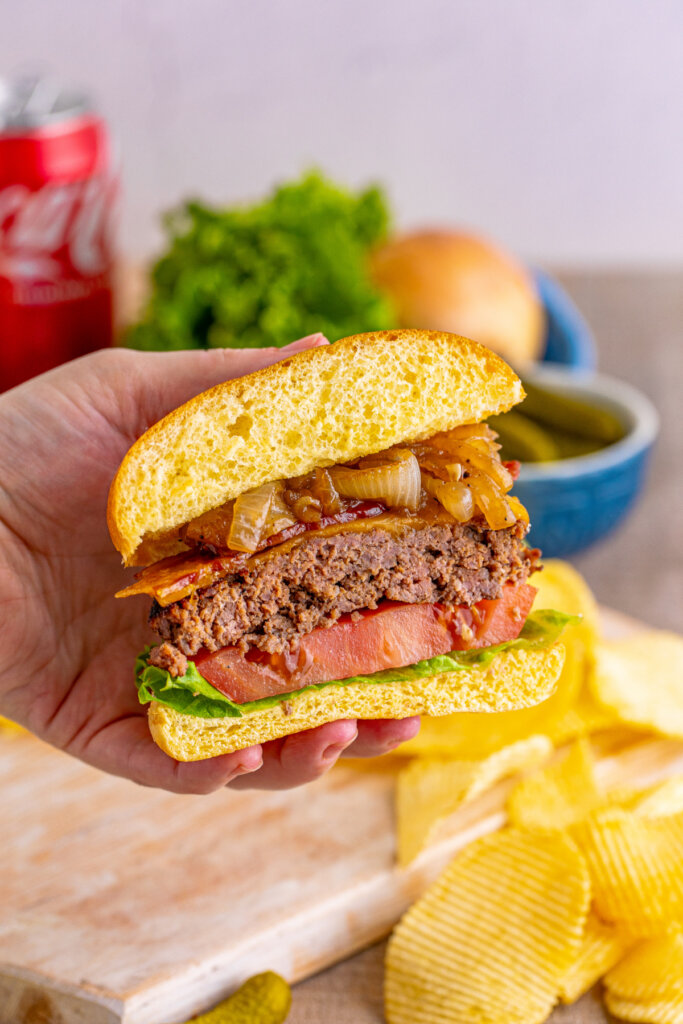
(637, 318)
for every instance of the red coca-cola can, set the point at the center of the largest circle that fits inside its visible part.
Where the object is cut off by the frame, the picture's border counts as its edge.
(58, 194)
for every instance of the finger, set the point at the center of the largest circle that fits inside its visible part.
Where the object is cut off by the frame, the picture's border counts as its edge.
(126, 748)
(380, 736)
(300, 758)
(144, 386)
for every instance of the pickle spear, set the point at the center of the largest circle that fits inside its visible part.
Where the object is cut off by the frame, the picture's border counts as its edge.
(571, 445)
(523, 439)
(263, 999)
(553, 409)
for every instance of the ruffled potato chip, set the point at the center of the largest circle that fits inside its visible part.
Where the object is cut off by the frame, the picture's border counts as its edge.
(561, 586)
(650, 972)
(636, 868)
(641, 679)
(663, 1011)
(626, 797)
(602, 947)
(470, 736)
(429, 789)
(583, 718)
(662, 800)
(493, 937)
(8, 726)
(559, 795)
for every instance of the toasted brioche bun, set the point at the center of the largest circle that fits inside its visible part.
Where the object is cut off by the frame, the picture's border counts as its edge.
(320, 407)
(514, 679)
(452, 281)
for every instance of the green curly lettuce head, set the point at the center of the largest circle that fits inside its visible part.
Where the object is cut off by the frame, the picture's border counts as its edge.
(254, 276)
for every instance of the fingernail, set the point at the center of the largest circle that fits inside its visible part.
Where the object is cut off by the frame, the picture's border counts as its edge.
(310, 341)
(245, 769)
(332, 752)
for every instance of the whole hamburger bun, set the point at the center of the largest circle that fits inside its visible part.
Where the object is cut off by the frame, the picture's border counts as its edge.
(450, 281)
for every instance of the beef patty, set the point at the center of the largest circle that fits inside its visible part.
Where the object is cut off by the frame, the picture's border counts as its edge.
(272, 602)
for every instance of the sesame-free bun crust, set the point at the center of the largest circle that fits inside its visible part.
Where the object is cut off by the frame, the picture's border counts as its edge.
(323, 406)
(452, 281)
(514, 679)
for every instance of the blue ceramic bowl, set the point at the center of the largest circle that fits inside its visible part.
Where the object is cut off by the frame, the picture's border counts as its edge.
(572, 503)
(569, 340)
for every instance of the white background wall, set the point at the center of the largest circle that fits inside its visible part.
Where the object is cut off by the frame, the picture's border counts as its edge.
(555, 125)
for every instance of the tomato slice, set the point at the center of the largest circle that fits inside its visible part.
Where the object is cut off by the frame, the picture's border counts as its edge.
(390, 636)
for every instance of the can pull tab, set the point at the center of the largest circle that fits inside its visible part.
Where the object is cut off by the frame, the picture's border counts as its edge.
(40, 97)
(32, 100)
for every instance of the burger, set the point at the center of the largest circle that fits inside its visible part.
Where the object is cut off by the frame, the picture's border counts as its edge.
(333, 537)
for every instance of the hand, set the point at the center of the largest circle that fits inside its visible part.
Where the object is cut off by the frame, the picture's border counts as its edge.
(67, 646)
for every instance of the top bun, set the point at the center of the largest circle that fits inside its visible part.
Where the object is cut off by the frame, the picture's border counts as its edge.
(320, 407)
(451, 281)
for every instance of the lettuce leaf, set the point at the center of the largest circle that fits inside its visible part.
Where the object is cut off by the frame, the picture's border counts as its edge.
(191, 694)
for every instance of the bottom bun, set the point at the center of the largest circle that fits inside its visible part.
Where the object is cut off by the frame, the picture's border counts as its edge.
(512, 680)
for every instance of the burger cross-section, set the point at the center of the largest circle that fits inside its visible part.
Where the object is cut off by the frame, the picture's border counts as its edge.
(333, 537)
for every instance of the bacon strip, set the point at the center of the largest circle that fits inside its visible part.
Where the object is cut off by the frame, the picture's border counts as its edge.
(176, 577)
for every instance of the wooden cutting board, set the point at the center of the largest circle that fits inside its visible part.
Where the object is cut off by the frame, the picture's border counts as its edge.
(120, 905)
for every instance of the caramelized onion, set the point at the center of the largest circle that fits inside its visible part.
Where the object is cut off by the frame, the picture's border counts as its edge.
(464, 433)
(492, 502)
(439, 464)
(474, 458)
(518, 510)
(312, 491)
(484, 444)
(455, 497)
(460, 468)
(250, 515)
(210, 530)
(326, 492)
(395, 480)
(280, 515)
(307, 509)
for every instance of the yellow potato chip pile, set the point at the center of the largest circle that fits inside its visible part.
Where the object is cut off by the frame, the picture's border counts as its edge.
(477, 946)
(430, 789)
(647, 985)
(493, 937)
